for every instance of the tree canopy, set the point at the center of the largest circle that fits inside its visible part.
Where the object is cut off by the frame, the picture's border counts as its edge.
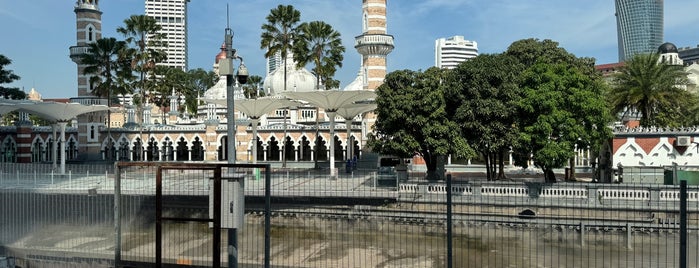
(8, 76)
(655, 89)
(482, 95)
(412, 120)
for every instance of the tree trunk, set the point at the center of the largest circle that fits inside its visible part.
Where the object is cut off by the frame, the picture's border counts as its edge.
(435, 167)
(501, 166)
(549, 176)
(488, 176)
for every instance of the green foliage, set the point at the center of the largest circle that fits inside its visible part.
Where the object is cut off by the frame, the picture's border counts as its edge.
(412, 119)
(104, 62)
(319, 43)
(652, 88)
(561, 107)
(199, 81)
(253, 88)
(563, 104)
(142, 32)
(280, 31)
(6, 77)
(482, 95)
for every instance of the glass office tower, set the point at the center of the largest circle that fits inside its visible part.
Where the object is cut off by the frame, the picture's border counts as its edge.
(639, 26)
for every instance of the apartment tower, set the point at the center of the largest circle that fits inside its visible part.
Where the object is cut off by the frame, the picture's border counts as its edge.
(171, 15)
(639, 26)
(449, 52)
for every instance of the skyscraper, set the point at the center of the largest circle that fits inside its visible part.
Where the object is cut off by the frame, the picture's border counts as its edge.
(639, 26)
(171, 15)
(449, 52)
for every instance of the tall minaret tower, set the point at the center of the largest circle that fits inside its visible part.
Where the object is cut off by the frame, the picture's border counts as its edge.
(374, 44)
(88, 30)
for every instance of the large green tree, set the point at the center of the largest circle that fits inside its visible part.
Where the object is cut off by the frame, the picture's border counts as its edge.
(482, 96)
(561, 107)
(412, 120)
(563, 104)
(8, 76)
(200, 80)
(651, 87)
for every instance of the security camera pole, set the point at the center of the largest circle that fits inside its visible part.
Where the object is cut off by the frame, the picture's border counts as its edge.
(226, 68)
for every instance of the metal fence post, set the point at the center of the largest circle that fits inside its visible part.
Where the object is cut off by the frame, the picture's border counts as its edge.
(268, 213)
(683, 224)
(449, 224)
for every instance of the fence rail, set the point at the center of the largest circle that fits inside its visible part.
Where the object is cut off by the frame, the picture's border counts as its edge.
(68, 219)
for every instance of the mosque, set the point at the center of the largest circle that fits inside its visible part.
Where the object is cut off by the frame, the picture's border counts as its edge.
(170, 136)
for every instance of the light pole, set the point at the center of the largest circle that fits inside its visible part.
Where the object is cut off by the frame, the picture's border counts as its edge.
(226, 68)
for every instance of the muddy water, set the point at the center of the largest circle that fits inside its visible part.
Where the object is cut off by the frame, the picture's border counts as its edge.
(316, 242)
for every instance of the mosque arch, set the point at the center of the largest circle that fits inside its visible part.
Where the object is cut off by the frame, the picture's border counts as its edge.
(123, 151)
(9, 150)
(322, 151)
(152, 149)
(305, 149)
(137, 153)
(197, 149)
(167, 149)
(182, 149)
(38, 146)
(339, 152)
(108, 148)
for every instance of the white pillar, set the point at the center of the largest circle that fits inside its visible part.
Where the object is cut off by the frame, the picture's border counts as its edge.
(62, 125)
(255, 120)
(350, 145)
(333, 172)
(54, 146)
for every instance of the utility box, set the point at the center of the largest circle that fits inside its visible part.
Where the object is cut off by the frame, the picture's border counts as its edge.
(232, 201)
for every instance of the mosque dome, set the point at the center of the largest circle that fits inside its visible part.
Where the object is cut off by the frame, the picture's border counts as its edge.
(222, 54)
(297, 79)
(667, 48)
(357, 84)
(34, 95)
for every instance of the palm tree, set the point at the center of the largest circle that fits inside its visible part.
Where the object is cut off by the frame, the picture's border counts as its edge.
(321, 44)
(104, 62)
(6, 77)
(201, 80)
(143, 33)
(278, 36)
(252, 87)
(648, 86)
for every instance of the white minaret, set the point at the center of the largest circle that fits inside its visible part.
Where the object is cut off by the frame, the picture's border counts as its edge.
(374, 44)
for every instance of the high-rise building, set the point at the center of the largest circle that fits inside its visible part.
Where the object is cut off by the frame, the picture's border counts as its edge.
(639, 26)
(171, 15)
(449, 52)
(274, 61)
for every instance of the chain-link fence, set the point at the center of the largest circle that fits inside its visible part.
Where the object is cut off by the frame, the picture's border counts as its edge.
(364, 218)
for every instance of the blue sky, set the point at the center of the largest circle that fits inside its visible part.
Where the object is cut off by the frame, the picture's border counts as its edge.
(36, 34)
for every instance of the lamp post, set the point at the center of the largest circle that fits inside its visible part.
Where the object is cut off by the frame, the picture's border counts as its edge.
(226, 68)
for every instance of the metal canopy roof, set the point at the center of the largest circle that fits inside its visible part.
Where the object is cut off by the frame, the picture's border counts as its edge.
(57, 111)
(349, 112)
(256, 108)
(331, 100)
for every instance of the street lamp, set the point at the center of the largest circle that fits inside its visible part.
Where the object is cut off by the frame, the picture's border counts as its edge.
(241, 76)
